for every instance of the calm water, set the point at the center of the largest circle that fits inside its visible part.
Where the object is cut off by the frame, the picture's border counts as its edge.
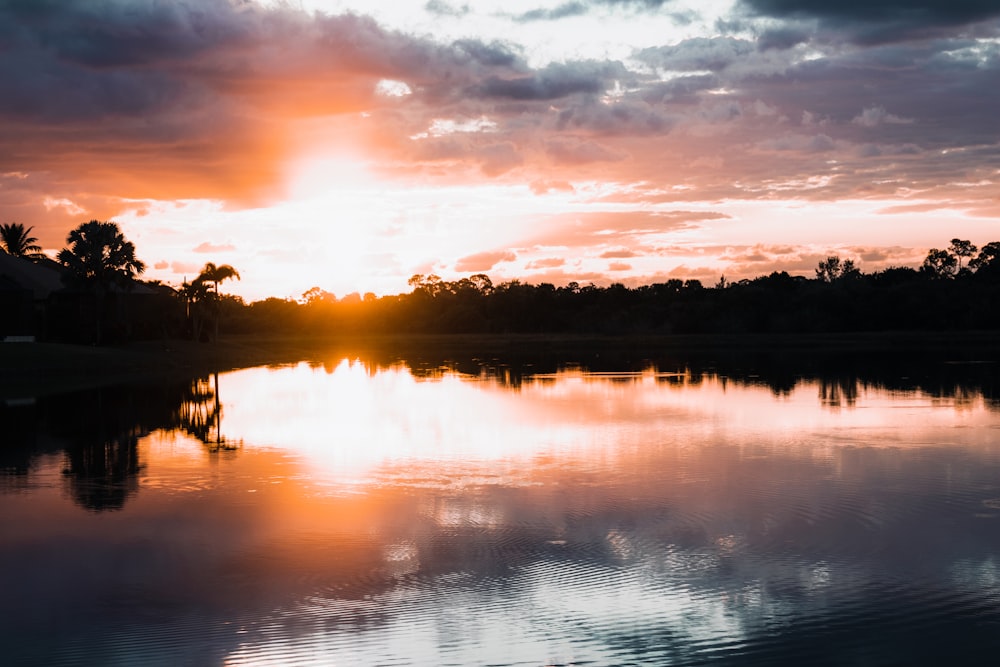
(354, 514)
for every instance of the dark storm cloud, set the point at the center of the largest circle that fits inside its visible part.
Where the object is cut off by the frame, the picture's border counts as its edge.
(931, 95)
(494, 54)
(117, 33)
(145, 58)
(684, 90)
(784, 37)
(554, 81)
(949, 12)
(882, 21)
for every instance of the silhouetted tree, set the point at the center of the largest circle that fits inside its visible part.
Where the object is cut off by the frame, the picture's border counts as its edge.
(16, 240)
(849, 270)
(987, 262)
(829, 269)
(961, 249)
(196, 296)
(216, 274)
(100, 259)
(832, 269)
(315, 295)
(482, 283)
(939, 264)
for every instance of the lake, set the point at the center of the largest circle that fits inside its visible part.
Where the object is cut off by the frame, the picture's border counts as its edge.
(354, 512)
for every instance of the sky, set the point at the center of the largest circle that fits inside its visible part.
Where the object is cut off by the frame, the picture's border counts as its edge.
(350, 145)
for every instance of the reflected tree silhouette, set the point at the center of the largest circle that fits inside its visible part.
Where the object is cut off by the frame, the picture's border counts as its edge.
(97, 434)
(102, 474)
(838, 392)
(199, 414)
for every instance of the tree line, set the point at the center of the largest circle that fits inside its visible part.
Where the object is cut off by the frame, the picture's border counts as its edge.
(955, 288)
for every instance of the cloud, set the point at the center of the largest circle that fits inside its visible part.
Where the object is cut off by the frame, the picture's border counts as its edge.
(442, 8)
(619, 266)
(105, 104)
(546, 263)
(881, 21)
(698, 54)
(581, 7)
(816, 143)
(496, 159)
(145, 100)
(783, 37)
(542, 187)
(622, 118)
(552, 82)
(185, 268)
(206, 247)
(484, 261)
(604, 227)
(564, 10)
(574, 151)
(161, 265)
(618, 254)
(875, 116)
(494, 54)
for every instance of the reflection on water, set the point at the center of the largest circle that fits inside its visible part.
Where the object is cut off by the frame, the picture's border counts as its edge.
(364, 513)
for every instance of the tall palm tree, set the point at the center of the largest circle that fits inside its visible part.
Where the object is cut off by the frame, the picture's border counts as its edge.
(99, 258)
(215, 275)
(195, 295)
(16, 241)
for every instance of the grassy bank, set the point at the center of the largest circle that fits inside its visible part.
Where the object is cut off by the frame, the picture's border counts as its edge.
(31, 369)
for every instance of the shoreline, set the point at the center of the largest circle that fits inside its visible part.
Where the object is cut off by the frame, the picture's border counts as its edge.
(33, 369)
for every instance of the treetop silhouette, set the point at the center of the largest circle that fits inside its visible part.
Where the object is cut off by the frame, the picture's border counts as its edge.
(17, 241)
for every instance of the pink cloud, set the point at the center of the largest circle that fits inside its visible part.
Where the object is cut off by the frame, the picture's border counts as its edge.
(484, 261)
(207, 247)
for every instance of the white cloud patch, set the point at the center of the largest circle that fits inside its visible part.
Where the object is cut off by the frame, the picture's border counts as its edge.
(875, 116)
(441, 127)
(391, 88)
(67, 205)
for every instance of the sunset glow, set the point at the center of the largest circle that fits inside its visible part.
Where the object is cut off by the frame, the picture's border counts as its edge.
(349, 145)
(356, 423)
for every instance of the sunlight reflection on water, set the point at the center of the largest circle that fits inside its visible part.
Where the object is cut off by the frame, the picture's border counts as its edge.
(342, 514)
(350, 422)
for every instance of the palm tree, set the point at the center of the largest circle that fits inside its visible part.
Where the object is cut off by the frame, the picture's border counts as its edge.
(195, 295)
(15, 240)
(215, 275)
(99, 258)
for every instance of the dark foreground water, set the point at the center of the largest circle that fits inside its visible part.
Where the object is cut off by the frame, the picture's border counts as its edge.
(352, 514)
